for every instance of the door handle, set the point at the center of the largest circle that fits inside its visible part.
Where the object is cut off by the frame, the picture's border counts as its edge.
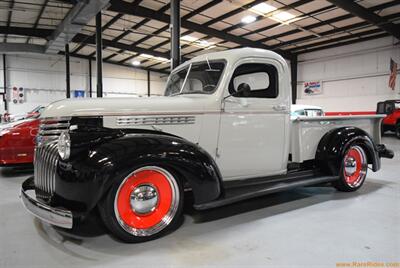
(280, 107)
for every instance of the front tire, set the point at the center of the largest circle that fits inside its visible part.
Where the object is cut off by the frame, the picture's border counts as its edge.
(397, 130)
(144, 205)
(353, 170)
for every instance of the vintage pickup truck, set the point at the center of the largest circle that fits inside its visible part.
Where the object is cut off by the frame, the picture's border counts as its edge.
(222, 132)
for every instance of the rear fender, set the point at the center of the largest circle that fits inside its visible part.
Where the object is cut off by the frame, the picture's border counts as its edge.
(333, 145)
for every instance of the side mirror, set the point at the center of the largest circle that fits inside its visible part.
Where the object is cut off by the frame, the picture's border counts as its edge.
(243, 90)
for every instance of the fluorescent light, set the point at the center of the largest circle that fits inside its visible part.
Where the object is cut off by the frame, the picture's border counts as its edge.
(284, 16)
(189, 38)
(248, 19)
(135, 63)
(263, 8)
(161, 59)
(146, 56)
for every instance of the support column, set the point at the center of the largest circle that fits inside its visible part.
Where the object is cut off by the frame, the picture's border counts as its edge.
(293, 71)
(175, 28)
(90, 78)
(67, 72)
(148, 83)
(99, 56)
(5, 83)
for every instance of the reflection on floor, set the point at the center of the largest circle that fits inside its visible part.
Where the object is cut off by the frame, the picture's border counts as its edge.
(307, 226)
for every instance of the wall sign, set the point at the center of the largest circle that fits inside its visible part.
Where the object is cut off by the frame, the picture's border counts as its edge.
(79, 93)
(18, 95)
(312, 88)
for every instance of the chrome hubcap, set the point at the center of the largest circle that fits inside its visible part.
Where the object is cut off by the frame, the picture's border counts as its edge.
(350, 166)
(144, 199)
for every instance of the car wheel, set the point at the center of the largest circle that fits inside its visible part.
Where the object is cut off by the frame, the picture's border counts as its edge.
(397, 130)
(353, 170)
(143, 205)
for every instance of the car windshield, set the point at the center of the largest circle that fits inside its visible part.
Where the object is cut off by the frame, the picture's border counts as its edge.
(196, 78)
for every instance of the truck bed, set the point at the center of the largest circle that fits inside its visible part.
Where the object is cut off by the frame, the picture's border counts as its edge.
(306, 132)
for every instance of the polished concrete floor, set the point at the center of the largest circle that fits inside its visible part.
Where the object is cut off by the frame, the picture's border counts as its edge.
(314, 226)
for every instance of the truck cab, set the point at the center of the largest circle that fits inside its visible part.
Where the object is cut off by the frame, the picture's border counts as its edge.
(390, 108)
(222, 132)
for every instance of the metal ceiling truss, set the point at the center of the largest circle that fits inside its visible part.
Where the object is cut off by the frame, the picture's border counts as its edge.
(124, 7)
(361, 12)
(76, 55)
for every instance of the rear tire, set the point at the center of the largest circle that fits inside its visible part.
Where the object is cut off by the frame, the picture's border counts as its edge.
(353, 170)
(144, 205)
(397, 130)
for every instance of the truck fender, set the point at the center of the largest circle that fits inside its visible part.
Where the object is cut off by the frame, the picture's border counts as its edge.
(105, 163)
(333, 145)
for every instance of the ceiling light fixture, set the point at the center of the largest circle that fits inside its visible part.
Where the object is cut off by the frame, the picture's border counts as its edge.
(248, 19)
(188, 38)
(263, 8)
(135, 63)
(283, 16)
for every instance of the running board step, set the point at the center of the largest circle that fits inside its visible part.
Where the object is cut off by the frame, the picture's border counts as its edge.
(237, 194)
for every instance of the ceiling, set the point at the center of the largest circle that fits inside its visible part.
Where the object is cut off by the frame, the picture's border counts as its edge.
(137, 31)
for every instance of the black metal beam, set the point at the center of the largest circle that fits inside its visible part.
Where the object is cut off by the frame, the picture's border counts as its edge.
(265, 16)
(90, 77)
(358, 40)
(43, 7)
(293, 72)
(124, 7)
(99, 56)
(9, 18)
(83, 38)
(87, 57)
(175, 33)
(5, 83)
(332, 32)
(67, 72)
(337, 40)
(93, 37)
(25, 31)
(359, 11)
(148, 83)
(322, 23)
(269, 27)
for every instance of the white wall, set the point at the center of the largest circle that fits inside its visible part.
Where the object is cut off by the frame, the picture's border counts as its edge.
(43, 78)
(354, 77)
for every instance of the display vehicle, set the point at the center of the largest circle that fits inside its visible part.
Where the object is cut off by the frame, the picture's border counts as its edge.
(7, 117)
(300, 110)
(222, 132)
(392, 121)
(17, 142)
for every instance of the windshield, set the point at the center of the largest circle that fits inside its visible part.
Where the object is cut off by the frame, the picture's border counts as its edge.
(196, 78)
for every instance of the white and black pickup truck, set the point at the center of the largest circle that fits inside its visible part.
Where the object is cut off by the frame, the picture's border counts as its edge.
(222, 131)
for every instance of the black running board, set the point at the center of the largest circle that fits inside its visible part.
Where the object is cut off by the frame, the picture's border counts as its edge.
(237, 194)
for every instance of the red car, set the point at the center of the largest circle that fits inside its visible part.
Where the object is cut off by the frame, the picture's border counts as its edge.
(392, 121)
(17, 142)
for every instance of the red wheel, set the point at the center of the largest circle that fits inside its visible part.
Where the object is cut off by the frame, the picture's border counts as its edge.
(354, 169)
(146, 202)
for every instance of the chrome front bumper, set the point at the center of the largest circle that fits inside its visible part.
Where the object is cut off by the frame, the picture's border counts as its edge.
(55, 216)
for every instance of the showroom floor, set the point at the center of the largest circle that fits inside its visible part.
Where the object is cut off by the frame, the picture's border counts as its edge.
(309, 226)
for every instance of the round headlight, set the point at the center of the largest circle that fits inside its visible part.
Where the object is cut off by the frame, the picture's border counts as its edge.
(64, 145)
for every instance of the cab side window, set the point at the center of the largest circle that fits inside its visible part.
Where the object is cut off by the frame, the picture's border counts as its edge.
(262, 80)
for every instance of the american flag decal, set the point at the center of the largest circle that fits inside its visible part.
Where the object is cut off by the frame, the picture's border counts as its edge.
(393, 74)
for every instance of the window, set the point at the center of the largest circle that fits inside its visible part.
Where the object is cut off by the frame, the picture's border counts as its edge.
(261, 78)
(197, 78)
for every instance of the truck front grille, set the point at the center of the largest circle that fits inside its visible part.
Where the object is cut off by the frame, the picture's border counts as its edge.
(46, 159)
(46, 156)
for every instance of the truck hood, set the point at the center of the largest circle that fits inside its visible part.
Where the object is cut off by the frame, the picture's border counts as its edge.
(126, 106)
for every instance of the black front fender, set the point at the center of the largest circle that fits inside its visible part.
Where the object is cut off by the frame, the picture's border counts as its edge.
(333, 145)
(86, 178)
